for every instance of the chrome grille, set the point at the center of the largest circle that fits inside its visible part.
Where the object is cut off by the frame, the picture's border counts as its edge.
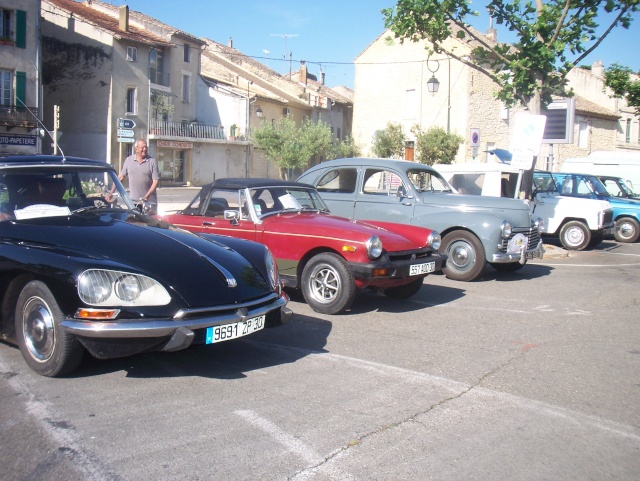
(532, 234)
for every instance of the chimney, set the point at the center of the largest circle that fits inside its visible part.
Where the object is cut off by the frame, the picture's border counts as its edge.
(303, 74)
(321, 78)
(492, 34)
(123, 22)
(230, 43)
(597, 69)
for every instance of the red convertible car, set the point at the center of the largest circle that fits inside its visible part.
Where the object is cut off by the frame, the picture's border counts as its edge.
(329, 258)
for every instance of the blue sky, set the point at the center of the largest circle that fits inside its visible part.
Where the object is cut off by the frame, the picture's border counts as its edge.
(329, 35)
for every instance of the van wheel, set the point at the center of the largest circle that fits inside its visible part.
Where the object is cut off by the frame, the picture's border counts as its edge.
(627, 229)
(46, 348)
(465, 256)
(575, 236)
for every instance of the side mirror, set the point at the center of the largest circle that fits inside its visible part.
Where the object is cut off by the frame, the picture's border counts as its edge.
(232, 216)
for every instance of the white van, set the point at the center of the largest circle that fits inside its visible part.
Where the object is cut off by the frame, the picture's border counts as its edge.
(622, 164)
(579, 223)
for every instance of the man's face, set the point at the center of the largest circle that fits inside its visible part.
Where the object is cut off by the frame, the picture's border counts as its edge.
(141, 148)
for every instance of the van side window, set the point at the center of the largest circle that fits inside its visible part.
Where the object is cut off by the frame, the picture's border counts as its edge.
(338, 180)
(468, 184)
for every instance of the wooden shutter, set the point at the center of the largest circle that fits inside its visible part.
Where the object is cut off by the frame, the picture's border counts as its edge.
(21, 29)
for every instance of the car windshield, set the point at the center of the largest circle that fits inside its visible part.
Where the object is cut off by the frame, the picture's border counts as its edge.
(46, 191)
(270, 200)
(428, 181)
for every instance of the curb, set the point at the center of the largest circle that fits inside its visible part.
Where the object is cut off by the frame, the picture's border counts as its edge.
(554, 252)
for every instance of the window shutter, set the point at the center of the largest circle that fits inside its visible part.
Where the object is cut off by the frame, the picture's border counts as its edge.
(21, 29)
(21, 89)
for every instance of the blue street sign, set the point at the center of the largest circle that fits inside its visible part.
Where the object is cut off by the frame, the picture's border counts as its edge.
(126, 124)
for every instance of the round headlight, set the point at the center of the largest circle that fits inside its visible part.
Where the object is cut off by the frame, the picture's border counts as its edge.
(434, 240)
(539, 224)
(128, 288)
(374, 247)
(94, 287)
(506, 230)
(272, 268)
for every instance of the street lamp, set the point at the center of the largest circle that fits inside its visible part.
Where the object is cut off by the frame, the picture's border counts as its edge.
(433, 84)
(259, 112)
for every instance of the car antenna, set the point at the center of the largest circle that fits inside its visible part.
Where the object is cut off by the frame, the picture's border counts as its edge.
(41, 124)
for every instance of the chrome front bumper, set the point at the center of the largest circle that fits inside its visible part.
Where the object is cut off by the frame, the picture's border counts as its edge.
(521, 257)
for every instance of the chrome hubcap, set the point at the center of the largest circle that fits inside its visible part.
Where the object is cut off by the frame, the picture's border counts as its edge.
(38, 329)
(324, 284)
(461, 255)
(574, 236)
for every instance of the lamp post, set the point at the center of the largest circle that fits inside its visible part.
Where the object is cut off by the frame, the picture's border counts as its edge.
(433, 84)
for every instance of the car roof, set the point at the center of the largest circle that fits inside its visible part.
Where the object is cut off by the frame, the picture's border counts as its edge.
(241, 183)
(355, 161)
(49, 161)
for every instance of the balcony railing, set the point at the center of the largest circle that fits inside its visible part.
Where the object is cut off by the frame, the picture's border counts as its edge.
(12, 116)
(193, 130)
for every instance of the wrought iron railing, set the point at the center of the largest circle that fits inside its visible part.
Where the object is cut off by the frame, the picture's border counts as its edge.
(185, 129)
(18, 116)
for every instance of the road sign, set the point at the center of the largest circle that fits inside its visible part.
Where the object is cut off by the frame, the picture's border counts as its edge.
(475, 137)
(126, 140)
(126, 123)
(125, 133)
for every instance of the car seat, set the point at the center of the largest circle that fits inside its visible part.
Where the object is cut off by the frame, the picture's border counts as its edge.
(51, 190)
(216, 207)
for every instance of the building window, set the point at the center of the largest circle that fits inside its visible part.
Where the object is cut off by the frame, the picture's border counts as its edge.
(628, 132)
(583, 134)
(186, 88)
(410, 104)
(5, 24)
(132, 54)
(187, 53)
(6, 87)
(157, 74)
(131, 100)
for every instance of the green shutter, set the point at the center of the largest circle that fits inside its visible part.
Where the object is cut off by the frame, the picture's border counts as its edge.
(21, 89)
(21, 29)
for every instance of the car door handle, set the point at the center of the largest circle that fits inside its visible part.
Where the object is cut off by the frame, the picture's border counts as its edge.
(208, 224)
(407, 203)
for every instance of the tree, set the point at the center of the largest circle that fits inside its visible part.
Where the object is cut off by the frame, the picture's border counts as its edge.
(549, 35)
(618, 79)
(436, 146)
(344, 149)
(389, 143)
(291, 147)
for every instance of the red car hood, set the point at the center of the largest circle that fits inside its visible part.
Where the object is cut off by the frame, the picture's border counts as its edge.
(394, 237)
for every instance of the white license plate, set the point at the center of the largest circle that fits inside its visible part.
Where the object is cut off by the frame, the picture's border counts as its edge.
(425, 268)
(235, 330)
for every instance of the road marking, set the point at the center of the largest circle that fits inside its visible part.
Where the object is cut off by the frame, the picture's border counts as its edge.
(295, 446)
(59, 431)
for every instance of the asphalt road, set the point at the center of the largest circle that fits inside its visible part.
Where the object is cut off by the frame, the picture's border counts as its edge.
(526, 376)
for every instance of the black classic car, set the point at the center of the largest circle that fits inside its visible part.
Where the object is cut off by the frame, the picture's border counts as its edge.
(82, 269)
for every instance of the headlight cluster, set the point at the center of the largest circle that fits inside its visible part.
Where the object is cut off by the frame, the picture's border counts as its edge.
(539, 224)
(101, 287)
(272, 270)
(374, 247)
(434, 240)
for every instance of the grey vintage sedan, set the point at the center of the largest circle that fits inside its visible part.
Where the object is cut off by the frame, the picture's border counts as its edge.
(475, 230)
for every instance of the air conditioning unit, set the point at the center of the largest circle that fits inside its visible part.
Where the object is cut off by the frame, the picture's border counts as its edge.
(286, 111)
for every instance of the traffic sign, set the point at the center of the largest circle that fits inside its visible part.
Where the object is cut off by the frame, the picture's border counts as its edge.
(126, 140)
(126, 123)
(475, 137)
(125, 133)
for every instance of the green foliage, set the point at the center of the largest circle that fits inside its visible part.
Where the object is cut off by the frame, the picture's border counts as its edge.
(618, 79)
(436, 146)
(291, 147)
(344, 149)
(389, 143)
(535, 67)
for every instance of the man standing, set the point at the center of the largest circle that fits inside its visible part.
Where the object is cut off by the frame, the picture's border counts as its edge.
(143, 174)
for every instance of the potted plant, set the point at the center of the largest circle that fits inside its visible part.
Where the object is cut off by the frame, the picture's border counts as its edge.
(232, 131)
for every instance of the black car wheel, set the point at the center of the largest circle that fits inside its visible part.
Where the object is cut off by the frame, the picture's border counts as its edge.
(575, 236)
(46, 348)
(406, 291)
(627, 229)
(465, 256)
(327, 284)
